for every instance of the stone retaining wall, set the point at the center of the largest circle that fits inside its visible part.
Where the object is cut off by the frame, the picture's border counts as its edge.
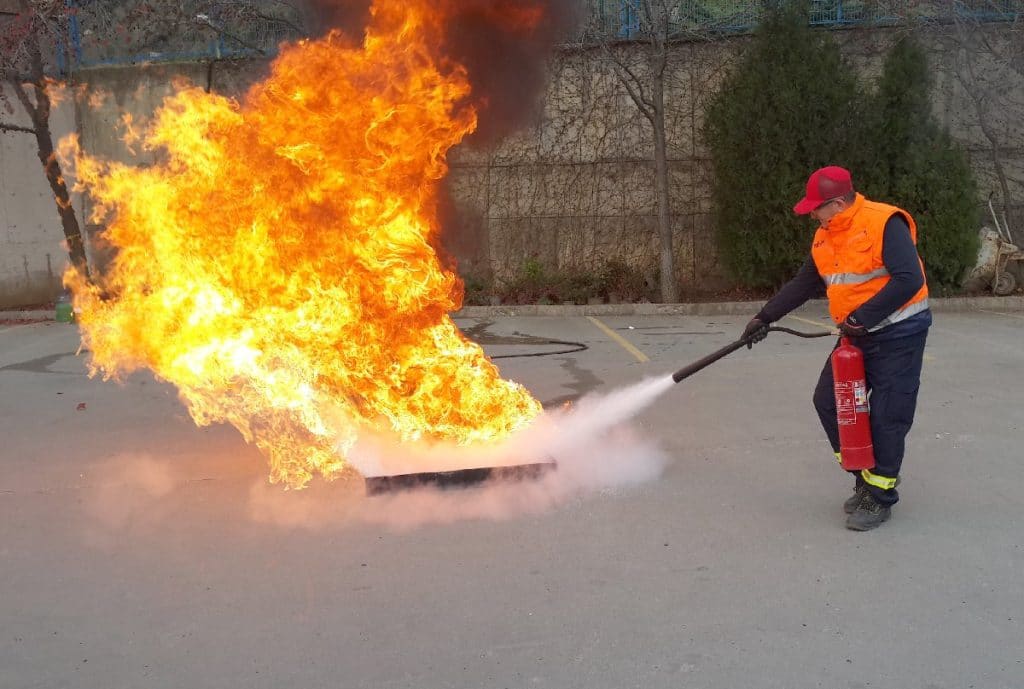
(575, 188)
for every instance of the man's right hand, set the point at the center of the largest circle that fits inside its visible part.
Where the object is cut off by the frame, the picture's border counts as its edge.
(755, 331)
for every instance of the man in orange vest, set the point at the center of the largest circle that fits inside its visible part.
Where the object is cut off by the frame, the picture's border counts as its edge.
(864, 258)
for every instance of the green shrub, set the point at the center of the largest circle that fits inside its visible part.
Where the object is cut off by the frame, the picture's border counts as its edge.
(793, 105)
(477, 290)
(536, 284)
(785, 110)
(626, 282)
(533, 284)
(913, 163)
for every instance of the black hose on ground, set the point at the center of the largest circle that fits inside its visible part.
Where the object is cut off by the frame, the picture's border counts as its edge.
(576, 347)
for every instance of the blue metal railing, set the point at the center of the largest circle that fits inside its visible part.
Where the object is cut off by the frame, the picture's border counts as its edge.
(990, 10)
(621, 18)
(90, 37)
(94, 40)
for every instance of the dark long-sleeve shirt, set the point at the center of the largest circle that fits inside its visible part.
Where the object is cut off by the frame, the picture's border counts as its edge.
(905, 278)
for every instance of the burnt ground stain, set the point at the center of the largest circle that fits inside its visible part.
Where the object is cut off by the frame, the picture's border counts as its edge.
(42, 365)
(479, 334)
(582, 379)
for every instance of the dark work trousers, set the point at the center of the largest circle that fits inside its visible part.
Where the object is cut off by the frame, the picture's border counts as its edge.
(893, 371)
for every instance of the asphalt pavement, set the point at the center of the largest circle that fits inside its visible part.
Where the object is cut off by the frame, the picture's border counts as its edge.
(138, 550)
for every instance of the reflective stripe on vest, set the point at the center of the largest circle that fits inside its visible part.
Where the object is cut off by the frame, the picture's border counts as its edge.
(883, 482)
(848, 255)
(903, 314)
(854, 278)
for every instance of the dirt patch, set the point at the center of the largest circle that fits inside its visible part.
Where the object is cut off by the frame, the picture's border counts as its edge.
(46, 306)
(734, 294)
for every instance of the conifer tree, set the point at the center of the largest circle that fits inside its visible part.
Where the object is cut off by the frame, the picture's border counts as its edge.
(787, 109)
(908, 160)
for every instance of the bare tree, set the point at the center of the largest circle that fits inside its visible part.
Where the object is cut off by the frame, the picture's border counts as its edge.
(25, 34)
(154, 29)
(649, 24)
(985, 40)
(40, 40)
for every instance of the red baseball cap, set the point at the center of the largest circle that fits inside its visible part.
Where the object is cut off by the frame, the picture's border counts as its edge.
(824, 185)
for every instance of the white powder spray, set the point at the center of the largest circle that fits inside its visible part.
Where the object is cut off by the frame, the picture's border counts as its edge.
(593, 445)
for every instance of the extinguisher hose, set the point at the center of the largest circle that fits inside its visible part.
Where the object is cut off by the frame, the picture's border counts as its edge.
(790, 331)
(688, 371)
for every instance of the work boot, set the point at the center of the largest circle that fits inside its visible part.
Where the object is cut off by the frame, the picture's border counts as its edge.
(868, 514)
(858, 494)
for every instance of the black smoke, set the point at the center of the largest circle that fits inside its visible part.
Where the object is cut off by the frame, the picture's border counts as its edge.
(504, 56)
(506, 64)
(348, 16)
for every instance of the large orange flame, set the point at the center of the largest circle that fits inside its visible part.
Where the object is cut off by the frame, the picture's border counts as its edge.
(276, 265)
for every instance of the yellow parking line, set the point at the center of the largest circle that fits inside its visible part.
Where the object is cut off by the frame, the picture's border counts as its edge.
(1001, 313)
(818, 324)
(640, 356)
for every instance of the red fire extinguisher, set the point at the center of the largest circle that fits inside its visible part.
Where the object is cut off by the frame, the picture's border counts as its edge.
(855, 447)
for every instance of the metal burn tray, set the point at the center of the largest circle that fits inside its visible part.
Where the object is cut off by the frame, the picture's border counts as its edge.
(459, 478)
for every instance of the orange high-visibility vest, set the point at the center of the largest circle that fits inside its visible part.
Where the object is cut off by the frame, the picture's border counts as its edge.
(848, 255)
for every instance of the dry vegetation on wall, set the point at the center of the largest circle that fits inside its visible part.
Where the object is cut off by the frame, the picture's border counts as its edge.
(615, 282)
(43, 44)
(576, 188)
(765, 138)
(986, 69)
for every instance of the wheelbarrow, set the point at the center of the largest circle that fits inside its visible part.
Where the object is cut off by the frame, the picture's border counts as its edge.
(1008, 259)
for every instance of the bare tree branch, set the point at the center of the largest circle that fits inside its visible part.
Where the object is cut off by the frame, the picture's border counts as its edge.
(633, 84)
(14, 76)
(26, 102)
(4, 127)
(985, 42)
(204, 20)
(44, 38)
(650, 31)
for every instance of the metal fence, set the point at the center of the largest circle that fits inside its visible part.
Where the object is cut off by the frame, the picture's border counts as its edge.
(107, 32)
(625, 18)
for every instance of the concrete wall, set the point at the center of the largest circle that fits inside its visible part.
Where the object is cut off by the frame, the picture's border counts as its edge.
(110, 92)
(32, 254)
(139, 91)
(978, 95)
(575, 188)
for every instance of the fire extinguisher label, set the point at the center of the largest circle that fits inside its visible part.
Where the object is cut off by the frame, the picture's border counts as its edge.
(846, 404)
(860, 396)
(851, 399)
